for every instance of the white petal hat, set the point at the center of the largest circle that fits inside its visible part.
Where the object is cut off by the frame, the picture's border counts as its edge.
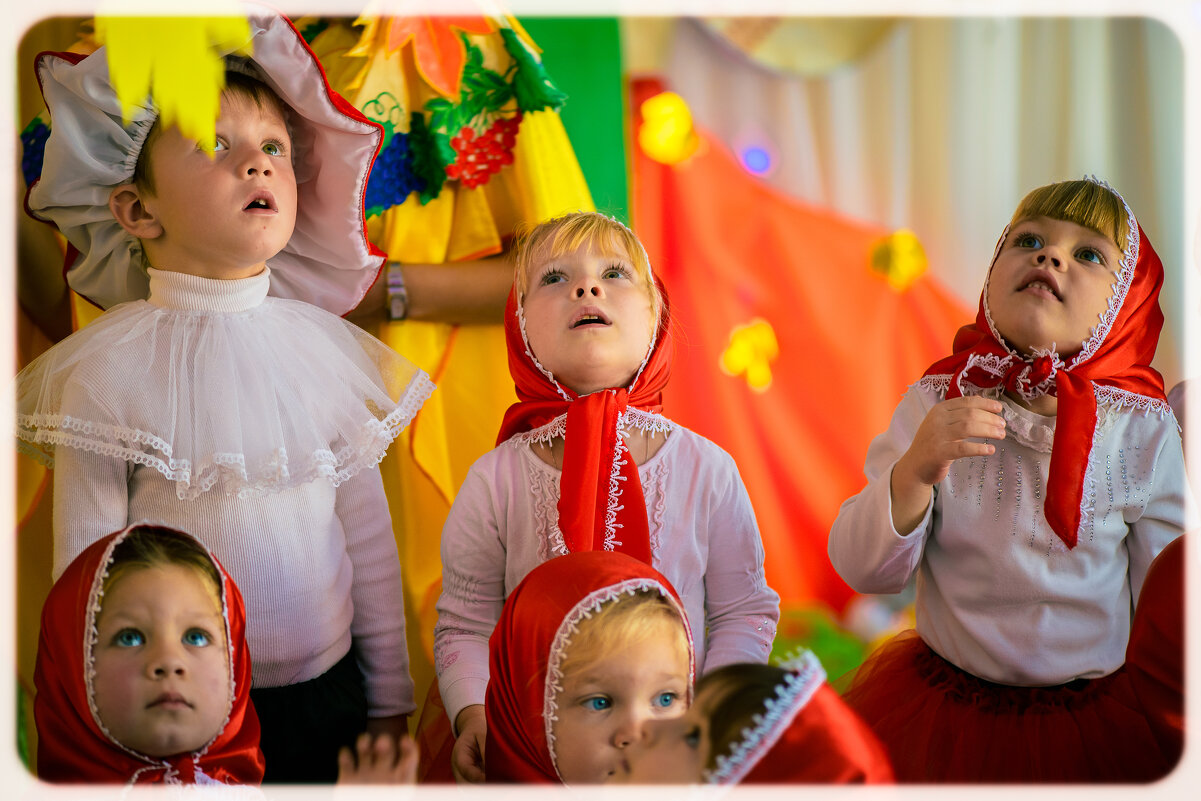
(328, 262)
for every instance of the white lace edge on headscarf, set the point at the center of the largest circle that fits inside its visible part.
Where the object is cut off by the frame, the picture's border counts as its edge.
(805, 676)
(92, 637)
(586, 608)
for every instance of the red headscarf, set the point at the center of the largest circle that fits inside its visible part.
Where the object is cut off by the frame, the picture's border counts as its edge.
(807, 735)
(527, 645)
(601, 506)
(72, 746)
(1114, 363)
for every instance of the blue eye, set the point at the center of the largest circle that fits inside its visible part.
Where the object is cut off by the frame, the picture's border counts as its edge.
(665, 699)
(1090, 254)
(598, 703)
(129, 638)
(1025, 240)
(197, 637)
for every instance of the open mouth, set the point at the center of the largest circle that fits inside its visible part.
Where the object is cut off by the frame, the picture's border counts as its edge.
(589, 317)
(263, 202)
(1041, 282)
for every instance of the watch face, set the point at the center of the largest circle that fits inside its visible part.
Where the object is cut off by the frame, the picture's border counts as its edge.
(398, 297)
(398, 306)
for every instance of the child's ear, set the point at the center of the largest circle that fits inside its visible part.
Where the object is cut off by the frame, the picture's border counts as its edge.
(130, 211)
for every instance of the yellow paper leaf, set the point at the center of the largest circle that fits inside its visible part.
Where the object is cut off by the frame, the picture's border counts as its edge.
(176, 62)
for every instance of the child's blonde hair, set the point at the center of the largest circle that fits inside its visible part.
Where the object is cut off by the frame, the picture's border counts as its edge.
(157, 546)
(629, 618)
(1083, 202)
(576, 231)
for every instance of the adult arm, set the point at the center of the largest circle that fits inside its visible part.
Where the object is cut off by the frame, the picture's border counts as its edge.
(459, 292)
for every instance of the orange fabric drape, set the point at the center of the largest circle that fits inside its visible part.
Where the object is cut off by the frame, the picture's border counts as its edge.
(731, 249)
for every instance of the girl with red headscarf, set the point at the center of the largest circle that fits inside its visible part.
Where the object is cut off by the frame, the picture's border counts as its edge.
(143, 675)
(590, 647)
(760, 724)
(585, 461)
(1028, 479)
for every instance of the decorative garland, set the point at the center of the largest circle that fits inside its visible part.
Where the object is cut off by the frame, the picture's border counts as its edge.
(469, 140)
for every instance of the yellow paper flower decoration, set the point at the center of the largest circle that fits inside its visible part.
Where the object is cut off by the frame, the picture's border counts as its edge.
(752, 348)
(666, 134)
(900, 258)
(176, 61)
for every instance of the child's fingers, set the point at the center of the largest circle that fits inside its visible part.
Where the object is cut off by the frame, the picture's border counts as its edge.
(385, 751)
(406, 772)
(346, 764)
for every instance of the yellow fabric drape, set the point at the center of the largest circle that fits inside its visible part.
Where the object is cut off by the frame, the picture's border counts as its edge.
(425, 467)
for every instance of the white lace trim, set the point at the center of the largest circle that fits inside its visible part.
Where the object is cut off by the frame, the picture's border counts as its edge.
(649, 422)
(614, 504)
(804, 678)
(92, 636)
(1121, 398)
(938, 384)
(1034, 431)
(1125, 279)
(656, 478)
(585, 608)
(229, 470)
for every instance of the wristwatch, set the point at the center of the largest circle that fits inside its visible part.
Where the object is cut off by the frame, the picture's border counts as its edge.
(398, 296)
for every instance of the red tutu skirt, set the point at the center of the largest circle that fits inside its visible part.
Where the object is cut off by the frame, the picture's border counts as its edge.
(941, 724)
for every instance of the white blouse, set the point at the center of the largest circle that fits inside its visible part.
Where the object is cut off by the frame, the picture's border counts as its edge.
(998, 593)
(704, 539)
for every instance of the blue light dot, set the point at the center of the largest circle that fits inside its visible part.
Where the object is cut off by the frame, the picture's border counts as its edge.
(756, 160)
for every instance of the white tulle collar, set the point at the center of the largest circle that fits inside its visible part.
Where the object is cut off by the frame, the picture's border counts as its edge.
(172, 290)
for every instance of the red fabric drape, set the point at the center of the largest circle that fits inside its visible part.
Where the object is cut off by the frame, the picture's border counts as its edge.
(731, 248)
(71, 745)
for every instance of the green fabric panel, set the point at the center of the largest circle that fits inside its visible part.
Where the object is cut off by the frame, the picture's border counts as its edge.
(583, 57)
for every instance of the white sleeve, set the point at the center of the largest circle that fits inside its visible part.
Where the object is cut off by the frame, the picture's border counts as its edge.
(864, 546)
(1170, 509)
(473, 593)
(741, 611)
(378, 627)
(91, 500)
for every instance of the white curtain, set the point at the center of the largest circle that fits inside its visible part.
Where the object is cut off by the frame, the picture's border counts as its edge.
(944, 123)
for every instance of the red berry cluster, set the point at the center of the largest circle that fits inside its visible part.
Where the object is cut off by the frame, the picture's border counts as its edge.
(478, 157)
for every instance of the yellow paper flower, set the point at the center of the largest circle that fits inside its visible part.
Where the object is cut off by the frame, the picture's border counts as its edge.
(900, 258)
(752, 348)
(667, 134)
(176, 61)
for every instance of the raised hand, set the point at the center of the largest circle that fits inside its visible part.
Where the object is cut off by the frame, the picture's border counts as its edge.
(945, 435)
